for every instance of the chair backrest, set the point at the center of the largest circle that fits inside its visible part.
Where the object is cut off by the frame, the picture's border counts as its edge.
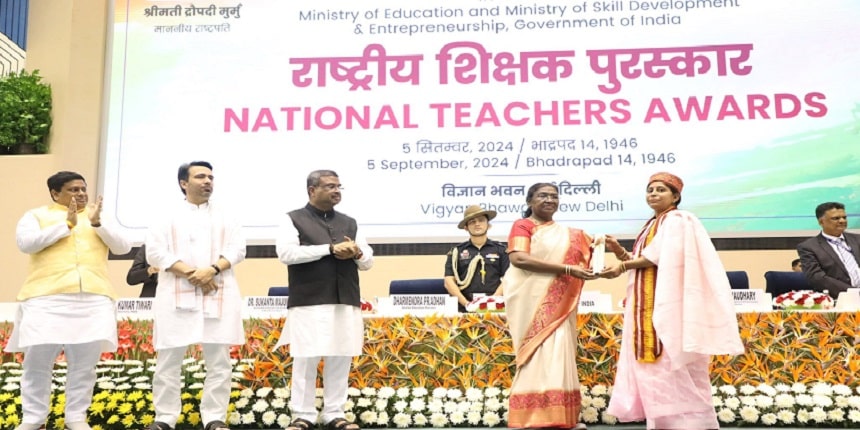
(417, 286)
(777, 282)
(279, 291)
(739, 280)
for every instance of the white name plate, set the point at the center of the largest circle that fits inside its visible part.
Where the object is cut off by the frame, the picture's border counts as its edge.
(596, 302)
(136, 309)
(418, 305)
(752, 301)
(264, 306)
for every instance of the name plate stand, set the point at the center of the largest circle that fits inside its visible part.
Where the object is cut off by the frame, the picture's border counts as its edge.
(264, 307)
(752, 301)
(417, 305)
(594, 302)
(134, 309)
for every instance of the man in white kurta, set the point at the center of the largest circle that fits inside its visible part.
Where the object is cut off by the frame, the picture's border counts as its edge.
(67, 301)
(198, 299)
(323, 250)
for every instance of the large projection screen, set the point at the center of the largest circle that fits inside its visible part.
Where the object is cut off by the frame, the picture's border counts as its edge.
(425, 107)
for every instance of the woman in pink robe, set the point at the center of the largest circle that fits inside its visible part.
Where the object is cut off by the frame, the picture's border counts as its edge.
(549, 264)
(678, 312)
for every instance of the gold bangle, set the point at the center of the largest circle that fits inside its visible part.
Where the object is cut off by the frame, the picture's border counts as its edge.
(70, 225)
(567, 269)
(623, 267)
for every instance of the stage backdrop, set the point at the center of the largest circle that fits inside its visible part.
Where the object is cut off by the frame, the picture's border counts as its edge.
(425, 107)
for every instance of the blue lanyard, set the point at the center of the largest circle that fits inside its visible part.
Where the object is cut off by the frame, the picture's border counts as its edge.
(840, 243)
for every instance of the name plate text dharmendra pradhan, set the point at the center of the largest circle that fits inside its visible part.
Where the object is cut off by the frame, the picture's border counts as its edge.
(421, 304)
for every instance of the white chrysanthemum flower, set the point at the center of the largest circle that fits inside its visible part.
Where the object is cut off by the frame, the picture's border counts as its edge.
(264, 392)
(241, 368)
(458, 417)
(475, 407)
(589, 415)
(11, 365)
(194, 368)
(784, 401)
(283, 421)
(492, 404)
(364, 402)
(105, 385)
(152, 361)
(269, 417)
(15, 372)
(368, 417)
(747, 400)
(419, 419)
(608, 419)
(766, 389)
(123, 387)
(381, 404)
(728, 390)
(233, 418)
(768, 419)
(435, 406)
(349, 416)
(260, 406)
(749, 414)
(818, 415)
(782, 388)
(403, 393)
(143, 386)
(450, 407)
(473, 418)
(821, 388)
(417, 405)
(841, 390)
(386, 393)
(836, 415)
(248, 418)
(822, 400)
(599, 402)
(732, 402)
(726, 415)
(247, 392)
(318, 402)
(798, 388)
(747, 389)
(319, 392)
(804, 400)
(141, 379)
(382, 419)
(785, 416)
(854, 416)
(368, 391)
(241, 402)
(492, 392)
(439, 420)
(803, 416)
(112, 362)
(353, 392)
(120, 379)
(474, 394)
(585, 402)
(440, 393)
(854, 402)
(196, 386)
(454, 394)
(491, 419)
(717, 401)
(402, 420)
(278, 404)
(100, 379)
(763, 402)
(840, 402)
(418, 392)
(135, 371)
(598, 390)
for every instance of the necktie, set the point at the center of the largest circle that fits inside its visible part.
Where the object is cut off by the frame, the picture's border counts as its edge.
(848, 260)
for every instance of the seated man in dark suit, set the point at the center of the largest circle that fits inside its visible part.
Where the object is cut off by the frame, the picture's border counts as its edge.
(795, 265)
(142, 272)
(830, 260)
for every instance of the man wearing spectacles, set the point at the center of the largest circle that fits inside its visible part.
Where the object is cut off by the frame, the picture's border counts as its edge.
(323, 250)
(830, 259)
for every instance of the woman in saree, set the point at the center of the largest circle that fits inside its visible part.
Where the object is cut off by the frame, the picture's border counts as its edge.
(678, 312)
(549, 265)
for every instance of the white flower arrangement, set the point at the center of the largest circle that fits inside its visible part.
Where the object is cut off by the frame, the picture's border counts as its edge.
(803, 300)
(780, 405)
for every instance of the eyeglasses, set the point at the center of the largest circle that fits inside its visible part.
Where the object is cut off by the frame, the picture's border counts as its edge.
(546, 196)
(331, 187)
